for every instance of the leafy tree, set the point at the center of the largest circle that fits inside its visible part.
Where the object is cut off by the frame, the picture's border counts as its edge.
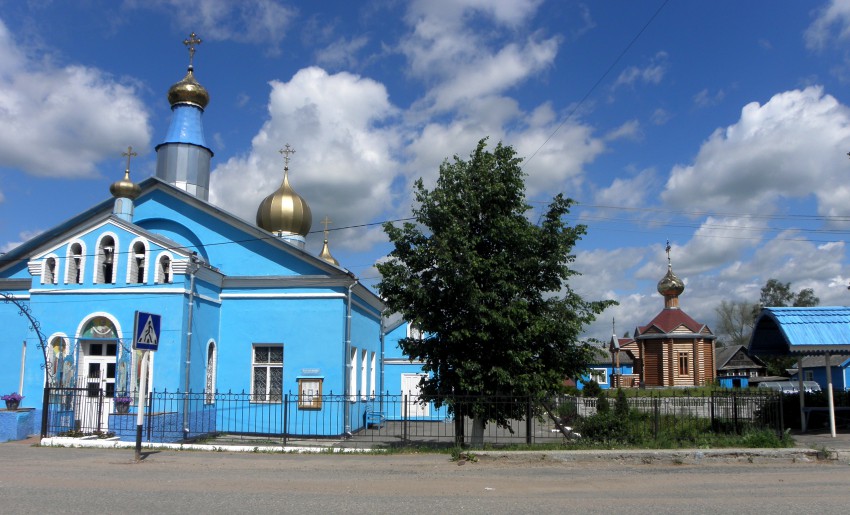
(735, 322)
(488, 288)
(778, 294)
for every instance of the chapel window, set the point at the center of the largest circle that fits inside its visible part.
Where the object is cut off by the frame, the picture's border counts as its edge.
(684, 364)
(209, 397)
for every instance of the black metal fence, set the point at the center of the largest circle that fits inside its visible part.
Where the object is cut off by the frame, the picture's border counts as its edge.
(398, 420)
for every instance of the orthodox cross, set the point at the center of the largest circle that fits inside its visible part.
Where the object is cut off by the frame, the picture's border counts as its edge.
(129, 154)
(190, 44)
(668, 252)
(326, 222)
(286, 151)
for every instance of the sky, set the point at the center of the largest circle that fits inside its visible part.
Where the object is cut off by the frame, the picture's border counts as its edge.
(720, 126)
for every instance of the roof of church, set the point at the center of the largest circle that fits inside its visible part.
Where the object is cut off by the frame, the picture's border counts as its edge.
(670, 319)
(21, 254)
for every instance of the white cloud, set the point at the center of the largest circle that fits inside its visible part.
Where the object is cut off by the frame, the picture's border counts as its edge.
(343, 164)
(706, 99)
(60, 122)
(791, 147)
(652, 73)
(628, 192)
(832, 21)
(342, 53)
(262, 22)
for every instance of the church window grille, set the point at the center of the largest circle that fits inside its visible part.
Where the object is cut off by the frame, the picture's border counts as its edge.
(209, 397)
(267, 373)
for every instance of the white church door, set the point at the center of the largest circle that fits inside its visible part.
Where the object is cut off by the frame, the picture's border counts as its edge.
(410, 389)
(99, 349)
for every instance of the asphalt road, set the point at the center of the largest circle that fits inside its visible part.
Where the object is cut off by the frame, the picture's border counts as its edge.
(59, 480)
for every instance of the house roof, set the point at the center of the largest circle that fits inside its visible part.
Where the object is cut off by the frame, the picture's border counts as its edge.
(724, 354)
(810, 331)
(670, 319)
(817, 362)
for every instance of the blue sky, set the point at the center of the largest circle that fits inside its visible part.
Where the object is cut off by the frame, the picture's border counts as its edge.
(722, 126)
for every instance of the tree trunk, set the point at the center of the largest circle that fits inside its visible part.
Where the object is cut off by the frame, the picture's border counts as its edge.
(477, 438)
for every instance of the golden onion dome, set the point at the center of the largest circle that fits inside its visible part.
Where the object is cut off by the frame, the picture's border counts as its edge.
(326, 254)
(284, 211)
(125, 188)
(670, 284)
(188, 91)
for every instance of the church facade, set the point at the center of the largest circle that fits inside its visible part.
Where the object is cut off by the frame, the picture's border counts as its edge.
(243, 306)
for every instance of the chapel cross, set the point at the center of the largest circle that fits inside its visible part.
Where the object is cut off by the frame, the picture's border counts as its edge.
(326, 222)
(129, 154)
(286, 151)
(192, 40)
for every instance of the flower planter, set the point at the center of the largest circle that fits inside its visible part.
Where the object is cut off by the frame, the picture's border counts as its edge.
(122, 408)
(12, 405)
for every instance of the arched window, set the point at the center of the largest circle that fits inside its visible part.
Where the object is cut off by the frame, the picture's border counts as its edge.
(105, 260)
(137, 268)
(48, 271)
(209, 388)
(163, 269)
(74, 263)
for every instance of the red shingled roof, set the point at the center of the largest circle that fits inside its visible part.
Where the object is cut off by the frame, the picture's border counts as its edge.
(671, 318)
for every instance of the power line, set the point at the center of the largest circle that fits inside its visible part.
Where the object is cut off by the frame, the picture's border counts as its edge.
(600, 79)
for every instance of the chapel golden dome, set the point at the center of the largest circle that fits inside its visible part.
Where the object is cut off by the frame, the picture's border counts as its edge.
(670, 285)
(125, 188)
(285, 212)
(188, 91)
(326, 252)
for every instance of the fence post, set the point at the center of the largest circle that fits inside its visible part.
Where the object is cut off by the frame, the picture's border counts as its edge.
(529, 436)
(781, 415)
(285, 427)
(404, 418)
(735, 411)
(655, 404)
(45, 406)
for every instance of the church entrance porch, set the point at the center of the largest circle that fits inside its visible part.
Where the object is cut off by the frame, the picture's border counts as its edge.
(97, 369)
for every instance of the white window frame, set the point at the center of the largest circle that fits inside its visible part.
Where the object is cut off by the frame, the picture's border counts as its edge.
(267, 395)
(100, 258)
(75, 262)
(808, 375)
(210, 377)
(372, 367)
(158, 276)
(364, 385)
(352, 376)
(48, 275)
(596, 372)
(133, 264)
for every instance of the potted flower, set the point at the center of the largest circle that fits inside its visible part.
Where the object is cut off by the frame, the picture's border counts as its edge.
(13, 400)
(122, 404)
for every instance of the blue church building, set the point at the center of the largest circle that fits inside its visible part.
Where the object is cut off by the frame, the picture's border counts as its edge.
(243, 305)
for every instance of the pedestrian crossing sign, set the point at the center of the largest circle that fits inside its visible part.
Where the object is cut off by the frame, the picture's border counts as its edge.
(146, 334)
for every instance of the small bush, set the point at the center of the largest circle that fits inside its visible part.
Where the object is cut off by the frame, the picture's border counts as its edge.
(592, 389)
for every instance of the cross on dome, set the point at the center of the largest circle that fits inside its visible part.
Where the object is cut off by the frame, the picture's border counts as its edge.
(286, 151)
(190, 43)
(129, 154)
